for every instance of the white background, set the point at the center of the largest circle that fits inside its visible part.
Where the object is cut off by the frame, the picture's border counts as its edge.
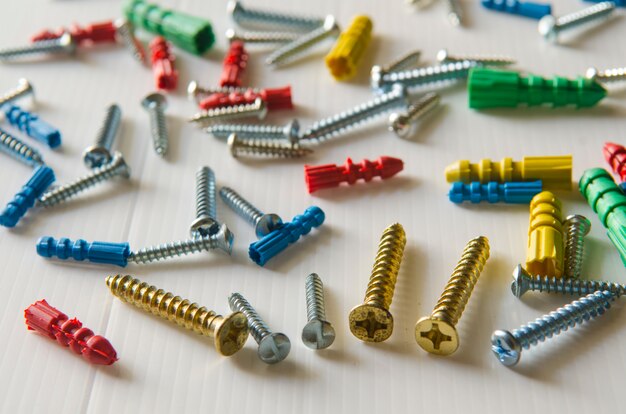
(163, 368)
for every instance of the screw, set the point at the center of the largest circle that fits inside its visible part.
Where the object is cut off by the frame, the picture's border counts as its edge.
(575, 228)
(273, 347)
(244, 16)
(403, 125)
(117, 167)
(19, 150)
(195, 92)
(271, 148)
(606, 76)
(318, 332)
(289, 51)
(345, 121)
(64, 44)
(507, 346)
(260, 37)
(550, 27)
(455, 14)
(263, 223)
(229, 333)
(100, 154)
(405, 62)
(371, 321)
(437, 333)
(225, 113)
(425, 76)
(126, 31)
(206, 222)
(156, 104)
(443, 56)
(290, 131)
(24, 88)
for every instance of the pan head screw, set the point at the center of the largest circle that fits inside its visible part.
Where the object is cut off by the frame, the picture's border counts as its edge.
(505, 347)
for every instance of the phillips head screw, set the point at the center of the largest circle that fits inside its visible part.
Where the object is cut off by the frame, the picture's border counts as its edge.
(99, 154)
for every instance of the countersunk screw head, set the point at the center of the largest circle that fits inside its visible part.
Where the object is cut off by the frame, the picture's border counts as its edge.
(231, 334)
(26, 85)
(401, 125)
(67, 42)
(376, 75)
(154, 100)
(436, 336)
(234, 7)
(230, 36)
(592, 73)
(582, 222)
(318, 334)
(292, 131)
(204, 226)
(119, 161)
(442, 55)
(95, 156)
(330, 24)
(233, 143)
(224, 239)
(192, 90)
(547, 27)
(274, 348)
(505, 347)
(371, 323)
(267, 224)
(521, 281)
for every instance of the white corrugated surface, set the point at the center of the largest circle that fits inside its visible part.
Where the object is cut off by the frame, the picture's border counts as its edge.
(165, 369)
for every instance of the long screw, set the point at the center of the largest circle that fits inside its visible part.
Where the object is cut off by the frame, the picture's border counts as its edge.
(100, 154)
(290, 131)
(126, 32)
(24, 88)
(64, 44)
(226, 113)
(455, 14)
(19, 150)
(273, 347)
(507, 346)
(263, 223)
(606, 76)
(245, 16)
(575, 228)
(229, 333)
(402, 63)
(425, 76)
(403, 124)
(550, 27)
(117, 167)
(206, 222)
(443, 56)
(260, 37)
(156, 104)
(265, 147)
(318, 332)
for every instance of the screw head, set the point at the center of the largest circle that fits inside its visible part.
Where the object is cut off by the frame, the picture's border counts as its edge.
(401, 125)
(318, 334)
(224, 239)
(267, 224)
(193, 90)
(436, 336)
(274, 348)
(442, 56)
(547, 27)
(330, 24)
(521, 281)
(154, 100)
(262, 105)
(592, 73)
(204, 226)
(231, 36)
(26, 85)
(576, 219)
(505, 347)
(233, 143)
(376, 76)
(95, 156)
(370, 323)
(292, 131)
(231, 334)
(119, 162)
(234, 7)
(68, 43)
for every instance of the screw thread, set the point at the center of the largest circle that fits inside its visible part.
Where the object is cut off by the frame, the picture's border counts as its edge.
(423, 106)
(254, 16)
(258, 328)
(403, 62)
(586, 15)
(126, 32)
(240, 205)
(575, 228)
(266, 147)
(570, 286)
(289, 51)
(428, 75)
(223, 131)
(612, 75)
(258, 108)
(444, 57)
(110, 126)
(261, 37)
(457, 292)
(177, 248)
(206, 203)
(197, 92)
(158, 129)
(63, 44)
(23, 89)
(19, 150)
(315, 308)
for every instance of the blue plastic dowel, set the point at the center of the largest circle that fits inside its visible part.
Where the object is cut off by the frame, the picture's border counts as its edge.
(521, 8)
(38, 183)
(493, 192)
(32, 126)
(96, 252)
(618, 3)
(275, 242)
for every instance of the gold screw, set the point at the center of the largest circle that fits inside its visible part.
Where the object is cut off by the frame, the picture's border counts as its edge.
(437, 333)
(372, 321)
(230, 333)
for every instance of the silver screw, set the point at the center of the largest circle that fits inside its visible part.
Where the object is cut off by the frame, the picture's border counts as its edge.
(260, 37)
(318, 332)
(273, 347)
(550, 27)
(222, 240)
(403, 124)
(24, 88)
(291, 50)
(606, 76)
(206, 222)
(403, 63)
(290, 131)
(99, 154)
(126, 32)
(195, 92)
(64, 44)
(455, 14)
(443, 56)
(244, 16)
(265, 147)
(507, 346)
(256, 109)
(156, 104)
(524, 281)
(575, 228)
(263, 223)
(345, 121)
(425, 76)
(117, 167)
(17, 149)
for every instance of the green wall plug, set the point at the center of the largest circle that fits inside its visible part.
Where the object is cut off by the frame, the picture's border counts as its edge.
(489, 88)
(190, 33)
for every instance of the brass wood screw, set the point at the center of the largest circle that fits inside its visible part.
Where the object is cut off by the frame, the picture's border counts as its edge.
(437, 333)
(229, 333)
(371, 321)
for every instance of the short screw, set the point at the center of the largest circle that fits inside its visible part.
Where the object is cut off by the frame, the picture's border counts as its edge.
(24, 88)
(19, 150)
(126, 32)
(273, 347)
(455, 14)
(290, 131)
(265, 147)
(156, 104)
(260, 37)
(575, 228)
(64, 44)
(318, 332)
(443, 56)
(403, 124)
(507, 346)
(550, 27)
(195, 92)
(257, 109)
(245, 16)
(263, 223)
(99, 154)
(206, 222)
(117, 167)
(606, 76)
(425, 76)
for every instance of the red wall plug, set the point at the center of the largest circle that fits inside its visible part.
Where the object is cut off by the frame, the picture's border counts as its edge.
(92, 33)
(615, 155)
(234, 65)
(331, 175)
(276, 98)
(54, 324)
(165, 73)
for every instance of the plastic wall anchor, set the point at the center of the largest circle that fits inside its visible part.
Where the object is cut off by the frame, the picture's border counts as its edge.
(608, 201)
(490, 88)
(275, 99)
(545, 252)
(618, 3)
(275, 242)
(343, 60)
(234, 65)
(38, 183)
(330, 175)
(493, 192)
(521, 8)
(54, 324)
(96, 252)
(190, 33)
(104, 32)
(32, 126)
(615, 155)
(165, 73)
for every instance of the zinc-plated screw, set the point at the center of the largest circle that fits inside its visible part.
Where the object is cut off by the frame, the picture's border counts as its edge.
(318, 332)
(455, 14)
(24, 88)
(64, 44)
(345, 121)
(437, 333)
(99, 154)
(195, 92)
(155, 104)
(263, 223)
(117, 167)
(507, 346)
(443, 56)
(425, 76)
(126, 32)
(19, 150)
(524, 281)
(290, 131)
(244, 16)
(260, 37)
(289, 51)
(550, 27)
(226, 113)
(265, 147)
(606, 76)
(403, 124)
(206, 222)
(273, 347)
(575, 228)
(229, 333)
(402, 63)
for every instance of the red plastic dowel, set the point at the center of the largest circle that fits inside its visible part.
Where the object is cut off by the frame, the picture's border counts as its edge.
(234, 65)
(92, 33)
(165, 73)
(615, 155)
(275, 99)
